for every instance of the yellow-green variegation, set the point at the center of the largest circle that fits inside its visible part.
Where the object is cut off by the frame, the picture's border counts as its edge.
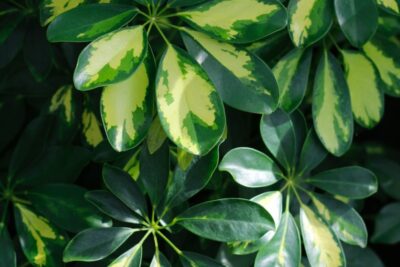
(332, 115)
(41, 241)
(242, 79)
(127, 108)
(309, 20)
(62, 102)
(367, 101)
(392, 6)
(291, 73)
(91, 128)
(322, 246)
(50, 9)
(237, 21)
(111, 58)
(131, 258)
(386, 56)
(188, 104)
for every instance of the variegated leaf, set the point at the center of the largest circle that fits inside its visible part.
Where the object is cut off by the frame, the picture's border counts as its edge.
(40, 240)
(127, 108)
(386, 56)
(111, 58)
(50, 9)
(291, 73)
(62, 102)
(87, 22)
(367, 99)
(243, 80)
(237, 21)
(392, 6)
(333, 120)
(309, 20)
(131, 258)
(156, 136)
(91, 128)
(322, 246)
(189, 107)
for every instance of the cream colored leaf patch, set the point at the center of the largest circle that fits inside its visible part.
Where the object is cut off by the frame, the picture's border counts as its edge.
(126, 109)
(39, 237)
(332, 114)
(189, 107)
(322, 246)
(62, 102)
(111, 58)
(91, 128)
(391, 5)
(132, 257)
(50, 9)
(237, 20)
(364, 85)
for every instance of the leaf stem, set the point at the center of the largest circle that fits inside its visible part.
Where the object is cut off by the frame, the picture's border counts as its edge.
(4, 215)
(298, 197)
(335, 44)
(287, 204)
(177, 250)
(143, 13)
(156, 247)
(162, 34)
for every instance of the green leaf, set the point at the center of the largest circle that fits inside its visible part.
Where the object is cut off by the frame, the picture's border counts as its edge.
(357, 19)
(291, 73)
(331, 107)
(127, 108)
(131, 258)
(50, 9)
(86, 23)
(387, 224)
(156, 136)
(343, 220)
(387, 172)
(191, 259)
(154, 179)
(189, 179)
(96, 243)
(386, 56)
(366, 94)
(272, 203)
(112, 58)
(160, 261)
(112, 206)
(12, 114)
(237, 21)
(125, 188)
(184, 3)
(227, 220)
(351, 182)
(242, 79)
(77, 214)
(360, 257)
(309, 21)
(62, 103)
(7, 252)
(250, 167)
(312, 153)
(279, 135)
(284, 249)
(322, 246)
(189, 107)
(41, 242)
(391, 6)
(9, 20)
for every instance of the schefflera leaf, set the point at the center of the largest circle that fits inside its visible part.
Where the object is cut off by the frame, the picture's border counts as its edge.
(111, 58)
(309, 21)
(237, 21)
(392, 6)
(365, 86)
(127, 108)
(41, 241)
(131, 258)
(321, 244)
(85, 23)
(385, 54)
(242, 79)
(7, 252)
(292, 73)
(188, 104)
(50, 9)
(332, 115)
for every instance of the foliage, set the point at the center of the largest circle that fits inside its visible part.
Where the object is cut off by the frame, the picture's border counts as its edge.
(159, 98)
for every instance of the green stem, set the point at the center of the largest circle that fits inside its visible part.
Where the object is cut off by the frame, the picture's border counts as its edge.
(4, 215)
(177, 250)
(142, 13)
(16, 4)
(156, 247)
(298, 197)
(162, 34)
(335, 44)
(287, 201)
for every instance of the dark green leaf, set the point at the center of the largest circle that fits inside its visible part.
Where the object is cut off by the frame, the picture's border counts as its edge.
(312, 154)
(12, 116)
(352, 182)
(86, 23)
(9, 20)
(124, 187)
(387, 224)
(361, 257)
(387, 172)
(357, 19)
(191, 259)
(227, 220)
(112, 206)
(66, 206)
(7, 252)
(250, 167)
(96, 243)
